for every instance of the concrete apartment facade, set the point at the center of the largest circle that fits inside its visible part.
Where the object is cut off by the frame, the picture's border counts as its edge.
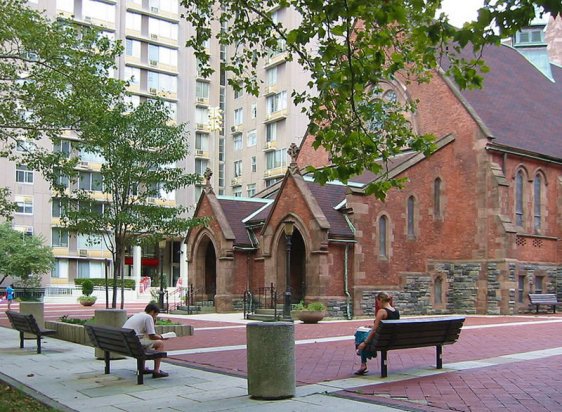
(243, 139)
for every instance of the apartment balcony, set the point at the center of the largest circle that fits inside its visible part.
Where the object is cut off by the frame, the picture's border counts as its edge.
(99, 23)
(202, 101)
(202, 153)
(237, 181)
(276, 172)
(276, 116)
(270, 90)
(236, 129)
(203, 127)
(276, 59)
(270, 146)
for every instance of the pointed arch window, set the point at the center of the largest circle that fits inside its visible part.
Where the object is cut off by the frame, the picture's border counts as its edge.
(519, 198)
(411, 207)
(437, 197)
(383, 247)
(438, 291)
(537, 202)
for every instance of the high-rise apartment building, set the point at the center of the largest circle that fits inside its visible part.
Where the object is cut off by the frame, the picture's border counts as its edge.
(243, 139)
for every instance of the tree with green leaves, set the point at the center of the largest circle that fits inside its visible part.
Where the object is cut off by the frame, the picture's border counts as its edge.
(54, 75)
(349, 47)
(24, 258)
(130, 200)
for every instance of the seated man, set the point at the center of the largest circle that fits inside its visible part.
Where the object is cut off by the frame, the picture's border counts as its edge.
(143, 324)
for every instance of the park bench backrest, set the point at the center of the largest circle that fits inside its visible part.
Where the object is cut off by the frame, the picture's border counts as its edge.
(23, 322)
(543, 298)
(415, 333)
(120, 340)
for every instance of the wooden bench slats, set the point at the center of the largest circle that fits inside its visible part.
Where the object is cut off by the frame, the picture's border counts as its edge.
(26, 323)
(548, 299)
(416, 333)
(123, 341)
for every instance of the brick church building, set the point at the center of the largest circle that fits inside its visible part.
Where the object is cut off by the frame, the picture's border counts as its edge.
(475, 229)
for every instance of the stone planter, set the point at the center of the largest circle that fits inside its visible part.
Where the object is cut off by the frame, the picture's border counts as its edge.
(308, 316)
(69, 332)
(181, 330)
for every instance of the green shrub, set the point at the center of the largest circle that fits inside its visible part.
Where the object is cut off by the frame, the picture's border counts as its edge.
(316, 306)
(129, 283)
(74, 321)
(166, 322)
(87, 287)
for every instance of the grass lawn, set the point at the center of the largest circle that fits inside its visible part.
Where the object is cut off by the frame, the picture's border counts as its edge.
(12, 400)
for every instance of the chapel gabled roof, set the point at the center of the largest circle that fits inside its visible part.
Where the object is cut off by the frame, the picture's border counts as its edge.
(236, 210)
(519, 104)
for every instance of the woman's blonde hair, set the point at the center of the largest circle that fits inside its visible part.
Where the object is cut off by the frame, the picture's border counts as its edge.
(383, 296)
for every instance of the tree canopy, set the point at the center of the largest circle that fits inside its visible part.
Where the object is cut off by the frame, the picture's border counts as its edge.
(349, 47)
(23, 258)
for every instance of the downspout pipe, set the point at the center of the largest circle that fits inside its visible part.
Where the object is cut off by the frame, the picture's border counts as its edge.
(346, 283)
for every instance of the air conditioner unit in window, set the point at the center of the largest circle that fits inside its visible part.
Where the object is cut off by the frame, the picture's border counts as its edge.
(87, 18)
(235, 182)
(154, 36)
(200, 126)
(267, 173)
(270, 145)
(83, 164)
(152, 90)
(154, 9)
(199, 152)
(234, 129)
(29, 230)
(153, 63)
(201, 100)
(83, 252)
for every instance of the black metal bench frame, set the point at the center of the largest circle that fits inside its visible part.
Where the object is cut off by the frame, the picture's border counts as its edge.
(415, 333)
(123, 341)
(548, 299)
(26, 323)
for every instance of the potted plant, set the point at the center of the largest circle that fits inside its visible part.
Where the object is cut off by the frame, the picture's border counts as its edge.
(311, 313)
(87, 289)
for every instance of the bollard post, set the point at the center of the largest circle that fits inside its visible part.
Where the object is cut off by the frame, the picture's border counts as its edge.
(109, 317)
(271, 360)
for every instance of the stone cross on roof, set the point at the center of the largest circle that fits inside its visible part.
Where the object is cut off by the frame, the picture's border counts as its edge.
(293, 152)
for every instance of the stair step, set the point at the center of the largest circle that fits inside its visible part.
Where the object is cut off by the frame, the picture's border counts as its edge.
(261, 317)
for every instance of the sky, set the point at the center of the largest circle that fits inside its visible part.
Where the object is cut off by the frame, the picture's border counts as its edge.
(460, 11)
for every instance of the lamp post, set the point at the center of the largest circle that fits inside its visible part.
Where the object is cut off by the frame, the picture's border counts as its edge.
(288, 228)
(161, 247)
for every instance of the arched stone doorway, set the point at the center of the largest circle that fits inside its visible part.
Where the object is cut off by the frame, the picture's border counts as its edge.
(210, 272)
(205, 286)
(297, 274)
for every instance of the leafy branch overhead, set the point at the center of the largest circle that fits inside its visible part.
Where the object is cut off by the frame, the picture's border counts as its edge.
(351, 49)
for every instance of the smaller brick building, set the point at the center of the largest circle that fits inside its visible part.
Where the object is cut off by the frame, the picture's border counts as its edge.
(476, 228)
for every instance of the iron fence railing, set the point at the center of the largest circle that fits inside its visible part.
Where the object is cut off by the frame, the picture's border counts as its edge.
(260, 298)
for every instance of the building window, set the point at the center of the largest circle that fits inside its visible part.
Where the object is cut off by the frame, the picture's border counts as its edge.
(88, 269)
(519, 198)
(238, 116)
(164, 55)
(238, 168)
(23, 174)
(63, 146)
(275, 159)
(254, 110)
(252, 137)
(438, 291)
(237, 138)
(520, 288)
(91, 181)
(254, 164)
(162, 82)
(237, 191)
(271, 132)
(201, 141)
(239, 93)
(538, 284)
(272, 76)
(437, 198)
(537, 202)
(133, 48)
(132, 75)
(411, 216)
(157, 27)
(133, 21)
(98, 10)
(60, 269)
(276, 102)
(202, 115)
(383, 225)
(171, 6)
(201, 165)
(202, 90)
(251, 189)
(65, 5)
(24, 205)
(59, 237)
(57, 209)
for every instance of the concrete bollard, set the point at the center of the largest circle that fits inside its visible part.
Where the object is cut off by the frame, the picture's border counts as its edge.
(37, 309)
(271, 360)
(110, 317)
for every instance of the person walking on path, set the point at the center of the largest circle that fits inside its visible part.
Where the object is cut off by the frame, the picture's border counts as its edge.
(10, 295)
(143, 324)
(386, 311)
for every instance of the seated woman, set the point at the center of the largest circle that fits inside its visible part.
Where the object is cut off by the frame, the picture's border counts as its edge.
(385, 312)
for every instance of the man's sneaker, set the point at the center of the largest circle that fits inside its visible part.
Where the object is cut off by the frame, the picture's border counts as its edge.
(160, 374)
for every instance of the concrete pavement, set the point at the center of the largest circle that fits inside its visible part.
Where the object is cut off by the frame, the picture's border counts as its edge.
(499, 363)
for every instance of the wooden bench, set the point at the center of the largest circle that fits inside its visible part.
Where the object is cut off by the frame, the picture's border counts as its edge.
(26, 323)
(415, 333)
(538, 299)
(123, 341)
